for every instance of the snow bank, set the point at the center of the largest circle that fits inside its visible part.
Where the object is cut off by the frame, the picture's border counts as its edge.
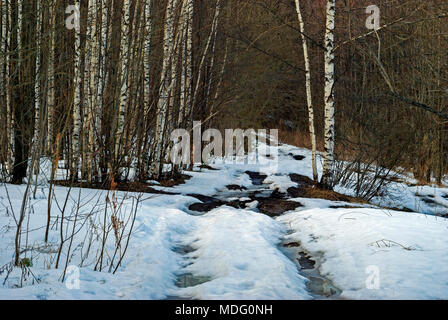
(238, 249)
(377, 254)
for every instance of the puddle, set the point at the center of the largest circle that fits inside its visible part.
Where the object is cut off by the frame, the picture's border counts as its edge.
(256, 177)
(273, 204)
(297, 157)
(308, 266)
(187, 280)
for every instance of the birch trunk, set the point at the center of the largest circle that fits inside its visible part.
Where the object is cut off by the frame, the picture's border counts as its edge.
(3, 81)
(9, 116)
(51, 79)
(165, 82)
(327, 175)
(147, 55)
(102, 54)
(183, 53)
(77, 104)
(90, 113)
(147, 85)
(189, 63)
(212, 63)
(124, 59)
(37, 88)
(207, 46)
(308, 90)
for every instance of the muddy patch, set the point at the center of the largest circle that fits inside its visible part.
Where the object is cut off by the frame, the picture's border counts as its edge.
(210, 203)
(308, 266)
(275, 207)
(305, 261)
(256, 177)
(187, 280)
(235, 187)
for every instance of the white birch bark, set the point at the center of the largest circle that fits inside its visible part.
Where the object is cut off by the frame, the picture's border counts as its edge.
(183, 79)
(51, 79)
(174, 63)
(9, 116)
(89, 114)
(37, 87)
(308, 90)
(147, 55)
(37, 90)
(147, 79)
(3, 52)
(207, 46)
(212, 63)
(165, 82)
(124, 59)
(3, 57)
(3, 77)
(174, 79)
(77, 103)
(189, 62)
(102, 54)
(327, 175)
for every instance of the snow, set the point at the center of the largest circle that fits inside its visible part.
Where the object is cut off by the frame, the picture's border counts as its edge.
(237, 250)
(409, 251)
(280, 183)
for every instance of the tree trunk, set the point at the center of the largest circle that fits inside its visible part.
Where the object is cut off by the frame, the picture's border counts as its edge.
(77, 105)
(165, 89)
(327, 175)
(124, 60)
(308, 90)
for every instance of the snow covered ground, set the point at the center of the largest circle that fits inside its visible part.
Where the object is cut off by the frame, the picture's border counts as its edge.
(366, 252)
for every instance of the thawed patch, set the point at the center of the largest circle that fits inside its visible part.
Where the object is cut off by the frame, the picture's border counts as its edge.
(238, 250)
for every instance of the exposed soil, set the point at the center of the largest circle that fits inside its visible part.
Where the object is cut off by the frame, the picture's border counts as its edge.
(129, 186)
(138, 187)
(292, 245)
(234, 187)
(305, 261)
(210, 203)
(256, 177)
(310, 189)
(274, 207)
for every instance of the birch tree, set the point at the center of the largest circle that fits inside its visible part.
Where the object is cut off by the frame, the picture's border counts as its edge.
(51, 77)
(147, 54)
(308, 89)
(327, 175)
(77, 103)
(188, 64)
(165, 89)
(124, 60)
(207, 47)
(91, 111)
(4, 83)
(37, 87)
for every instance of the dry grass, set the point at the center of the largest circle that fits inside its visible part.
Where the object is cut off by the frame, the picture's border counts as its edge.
(318, 193)
(307, 188)
(299, 139)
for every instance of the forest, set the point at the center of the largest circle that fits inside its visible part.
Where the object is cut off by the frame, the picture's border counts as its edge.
(349, 97)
